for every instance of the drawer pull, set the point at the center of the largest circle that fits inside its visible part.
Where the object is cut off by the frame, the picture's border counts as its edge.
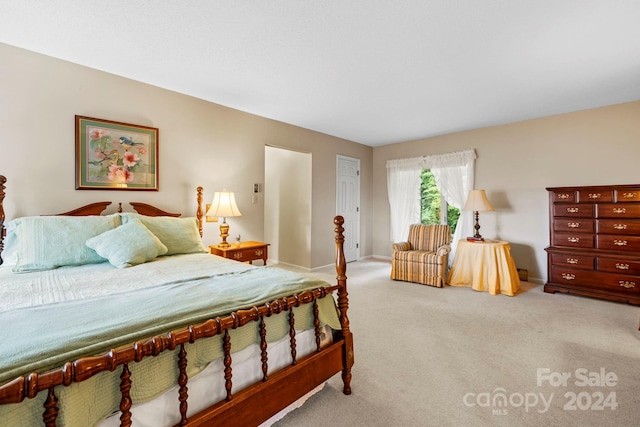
(627, 285)
(563, 196)
(595, 195)
(620, 242)
(622, 266)
(259, 252)
(237, 255)
(573, 224)
(572, 260)
(573, 210)
(630, 195)
(573, 239)
(620, 226)
(569, 276)
(619, 210)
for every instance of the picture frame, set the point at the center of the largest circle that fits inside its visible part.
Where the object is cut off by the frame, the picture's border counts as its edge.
(113, 155)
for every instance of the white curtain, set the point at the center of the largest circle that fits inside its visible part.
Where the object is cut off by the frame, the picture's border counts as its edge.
(454, 174)
(403, 188)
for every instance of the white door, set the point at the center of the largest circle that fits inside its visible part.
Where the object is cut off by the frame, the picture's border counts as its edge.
(348, 203)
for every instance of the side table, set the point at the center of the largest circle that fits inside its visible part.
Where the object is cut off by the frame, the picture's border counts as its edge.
(243, 251)
(485, 266)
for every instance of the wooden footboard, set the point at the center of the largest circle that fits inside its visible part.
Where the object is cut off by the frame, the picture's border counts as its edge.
(250, 406)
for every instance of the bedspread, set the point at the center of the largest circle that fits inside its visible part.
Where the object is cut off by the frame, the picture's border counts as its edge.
(49, 334)
(60, 315)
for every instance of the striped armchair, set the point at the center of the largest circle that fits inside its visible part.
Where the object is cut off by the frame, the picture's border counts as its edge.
(423, 259)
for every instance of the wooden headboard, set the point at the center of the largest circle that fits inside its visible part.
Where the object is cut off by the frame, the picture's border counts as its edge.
(97, 208)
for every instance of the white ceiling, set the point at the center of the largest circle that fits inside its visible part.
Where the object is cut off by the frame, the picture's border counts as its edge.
(371, 71)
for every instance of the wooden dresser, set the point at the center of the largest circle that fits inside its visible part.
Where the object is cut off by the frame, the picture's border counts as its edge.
(595, 242)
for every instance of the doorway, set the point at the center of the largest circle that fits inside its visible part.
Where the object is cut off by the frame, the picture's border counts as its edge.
(287, 206)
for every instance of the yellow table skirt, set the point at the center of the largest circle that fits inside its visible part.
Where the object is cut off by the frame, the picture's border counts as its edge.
(485, 266)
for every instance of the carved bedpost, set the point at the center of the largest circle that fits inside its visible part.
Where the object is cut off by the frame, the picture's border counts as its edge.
(343, 304)
(2, 187)
(199, 214)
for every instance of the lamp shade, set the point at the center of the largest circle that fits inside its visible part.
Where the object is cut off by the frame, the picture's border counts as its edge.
(477, 201)
(224, 205)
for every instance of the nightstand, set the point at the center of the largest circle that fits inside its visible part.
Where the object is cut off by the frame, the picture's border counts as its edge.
(243, 251)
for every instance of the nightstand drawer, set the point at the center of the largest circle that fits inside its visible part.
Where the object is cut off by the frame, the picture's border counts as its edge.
(248, 254)
(243, 251)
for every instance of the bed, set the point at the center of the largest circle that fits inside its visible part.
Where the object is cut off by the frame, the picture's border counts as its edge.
(125, 319)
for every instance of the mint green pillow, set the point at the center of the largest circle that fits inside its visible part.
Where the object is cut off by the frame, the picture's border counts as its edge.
(47, 242)
(130, 244)
(179, 235)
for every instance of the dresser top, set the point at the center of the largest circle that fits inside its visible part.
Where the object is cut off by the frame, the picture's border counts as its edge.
(593, 187)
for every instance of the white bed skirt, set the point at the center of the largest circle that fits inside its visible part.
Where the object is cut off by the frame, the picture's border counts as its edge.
(207, 387)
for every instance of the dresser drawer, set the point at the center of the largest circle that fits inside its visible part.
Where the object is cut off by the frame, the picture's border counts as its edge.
(618, 266)
(574, 210)
(608, 282)
(618, 226)
(618, 210)
(618, 243)
(578, 225)
(585, 196)
(563, 196)
(627, 194)
(574, 261)
(573, 240)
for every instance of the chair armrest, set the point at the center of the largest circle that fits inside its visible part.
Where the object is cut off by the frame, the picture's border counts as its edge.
(401, 246)
(443, 250)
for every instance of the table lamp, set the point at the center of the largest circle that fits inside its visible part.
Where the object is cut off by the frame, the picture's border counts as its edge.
(477, 202)
(224, 205)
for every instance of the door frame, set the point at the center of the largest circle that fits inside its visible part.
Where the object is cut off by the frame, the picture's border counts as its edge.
(338, 194)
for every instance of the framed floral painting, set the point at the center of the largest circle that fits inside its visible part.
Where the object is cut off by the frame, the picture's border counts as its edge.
(115, 156)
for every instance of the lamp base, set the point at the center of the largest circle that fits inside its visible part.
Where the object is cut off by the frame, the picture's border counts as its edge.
(477, 235)
(224, 233)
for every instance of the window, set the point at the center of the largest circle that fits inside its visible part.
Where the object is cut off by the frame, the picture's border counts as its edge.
(434, 209)
(455, 173)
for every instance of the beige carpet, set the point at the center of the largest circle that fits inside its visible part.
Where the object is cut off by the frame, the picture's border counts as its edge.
(446, 356)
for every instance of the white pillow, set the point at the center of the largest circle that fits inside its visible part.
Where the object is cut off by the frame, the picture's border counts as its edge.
(130, 244)
(179, 235)
(46, 242)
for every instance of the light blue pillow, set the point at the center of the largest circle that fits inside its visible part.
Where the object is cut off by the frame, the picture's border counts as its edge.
(179, 235)
(46, 242)
(130, 244)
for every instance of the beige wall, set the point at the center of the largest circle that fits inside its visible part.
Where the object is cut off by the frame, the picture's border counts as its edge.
(201, 143)
(515, 164)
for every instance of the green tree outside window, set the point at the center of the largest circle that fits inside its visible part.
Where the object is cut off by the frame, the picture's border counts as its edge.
(432, 204)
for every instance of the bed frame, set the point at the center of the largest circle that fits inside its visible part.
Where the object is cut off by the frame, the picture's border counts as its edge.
(248, 407)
